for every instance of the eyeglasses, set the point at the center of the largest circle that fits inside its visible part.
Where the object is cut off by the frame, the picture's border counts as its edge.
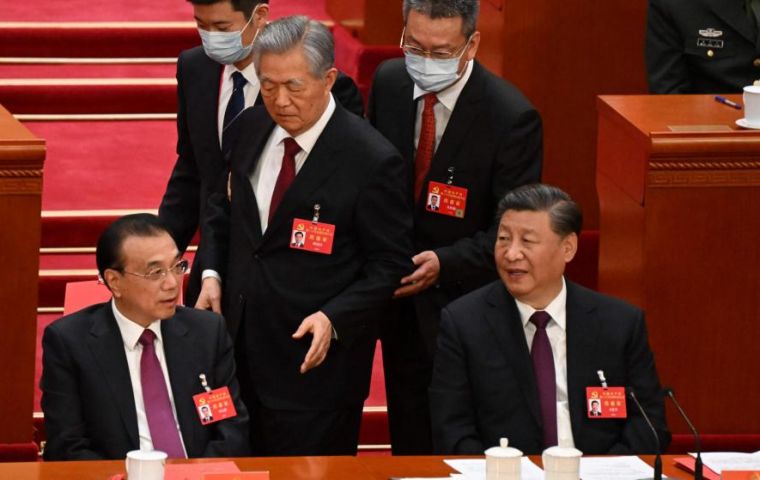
(179, 268)
(435, 55)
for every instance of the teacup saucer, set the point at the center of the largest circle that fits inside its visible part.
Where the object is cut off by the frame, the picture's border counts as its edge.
(742, 122)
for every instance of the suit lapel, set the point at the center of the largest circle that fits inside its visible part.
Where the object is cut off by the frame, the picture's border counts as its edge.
(458, 128)
(734, 17)
(257, 121)
(510, 334)
(582, 331)
(107, 347)
(178, 344)
(319, 167)
(205, 84)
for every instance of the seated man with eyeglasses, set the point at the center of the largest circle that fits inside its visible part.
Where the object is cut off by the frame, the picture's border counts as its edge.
(122, 375)
(468, 137)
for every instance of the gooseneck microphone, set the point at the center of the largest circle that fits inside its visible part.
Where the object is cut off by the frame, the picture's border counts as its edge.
(658, 458)
(697, 441)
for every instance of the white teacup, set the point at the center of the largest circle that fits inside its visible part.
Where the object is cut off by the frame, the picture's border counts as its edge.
(561, 463)
(145, 465)
(503, 462)
(751, 99)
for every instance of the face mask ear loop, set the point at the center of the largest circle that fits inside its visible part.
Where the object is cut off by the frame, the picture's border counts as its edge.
(253, 14)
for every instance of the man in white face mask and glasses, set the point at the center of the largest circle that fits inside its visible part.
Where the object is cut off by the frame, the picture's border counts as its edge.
(215, 83)
(468, 137)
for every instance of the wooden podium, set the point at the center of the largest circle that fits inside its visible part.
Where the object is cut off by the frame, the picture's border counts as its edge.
(679, 197)
(21, 159)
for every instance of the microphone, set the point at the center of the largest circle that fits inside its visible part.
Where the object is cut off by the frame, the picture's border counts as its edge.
(658, 458)
(698, 462)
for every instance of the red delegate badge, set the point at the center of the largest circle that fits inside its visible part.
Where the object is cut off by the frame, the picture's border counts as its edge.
(214, 406)
(606, 402)
(446, 199)
(312, 236)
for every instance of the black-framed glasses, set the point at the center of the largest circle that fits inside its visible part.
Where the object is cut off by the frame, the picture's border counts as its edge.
(179, 268)
(436, 54)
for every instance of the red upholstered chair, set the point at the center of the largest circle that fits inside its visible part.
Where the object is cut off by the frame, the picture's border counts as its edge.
(18, 452)
(358, 60)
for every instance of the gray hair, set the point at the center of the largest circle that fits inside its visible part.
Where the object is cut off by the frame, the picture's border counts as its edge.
(565, 216)
(467, 9)
(286, 33)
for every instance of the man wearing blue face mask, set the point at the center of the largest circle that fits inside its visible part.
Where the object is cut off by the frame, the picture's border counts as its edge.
(468, 137)
(215, 83)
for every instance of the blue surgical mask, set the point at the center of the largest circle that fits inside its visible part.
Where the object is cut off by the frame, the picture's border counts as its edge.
(432, 75)
(226, 47)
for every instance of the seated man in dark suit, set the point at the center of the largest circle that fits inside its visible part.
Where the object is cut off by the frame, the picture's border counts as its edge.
(215, 82)
(121, 375)
(702, 46)
(468, 137)
(515, 357)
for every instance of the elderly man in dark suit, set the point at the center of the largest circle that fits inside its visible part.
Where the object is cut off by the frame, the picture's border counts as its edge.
(306, 318)
(515, 357)
(467, 136)
(121, 376)
(702, 46)
(215, 83)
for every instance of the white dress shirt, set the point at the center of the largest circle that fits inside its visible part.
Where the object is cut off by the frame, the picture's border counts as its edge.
(250, 91)
(264, 176)
(443, 109)
(130, 334)
(557, 332)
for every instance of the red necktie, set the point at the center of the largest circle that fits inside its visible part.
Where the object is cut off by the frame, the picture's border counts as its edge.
(158, 407)
(546, 381)
(286, 175)
(425, 145)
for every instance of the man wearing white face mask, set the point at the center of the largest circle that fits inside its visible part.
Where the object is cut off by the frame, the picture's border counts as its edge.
(215, 83)
(468, 137)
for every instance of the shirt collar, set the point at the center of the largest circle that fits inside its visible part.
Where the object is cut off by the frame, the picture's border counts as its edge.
(555, 309)
(309, 138)
(448, 97)
(249, 72)
(131, 331)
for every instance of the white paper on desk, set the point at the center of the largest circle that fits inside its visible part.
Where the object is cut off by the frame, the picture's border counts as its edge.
(719, 461)
(619, 468)
(475, 468)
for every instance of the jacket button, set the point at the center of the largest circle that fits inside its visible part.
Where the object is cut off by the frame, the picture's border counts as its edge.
(240, 298)
(710, 53)
(756, 62)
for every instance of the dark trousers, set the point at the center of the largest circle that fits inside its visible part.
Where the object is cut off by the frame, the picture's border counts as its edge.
(276, 432)
(408, 366)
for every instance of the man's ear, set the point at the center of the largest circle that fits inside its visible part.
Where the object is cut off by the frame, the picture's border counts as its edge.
(112, 279)
(330, 77)
(260, 15)
(569, 247)
(472, 48)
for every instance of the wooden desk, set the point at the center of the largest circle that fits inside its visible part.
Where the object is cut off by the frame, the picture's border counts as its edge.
(280, 468)
(679, 195)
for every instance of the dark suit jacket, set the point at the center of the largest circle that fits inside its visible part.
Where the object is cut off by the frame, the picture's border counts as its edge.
(484, 388)
(199, 157)
(358, 179)
(87, 392)
(494, 142)
(677, 53)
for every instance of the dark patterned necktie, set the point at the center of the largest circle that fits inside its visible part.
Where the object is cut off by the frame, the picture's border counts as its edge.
(546, 380)
(158, 407)
(425, 144)
(234, 109)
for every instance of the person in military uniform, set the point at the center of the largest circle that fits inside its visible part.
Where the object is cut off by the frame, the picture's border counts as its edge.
(702, 46)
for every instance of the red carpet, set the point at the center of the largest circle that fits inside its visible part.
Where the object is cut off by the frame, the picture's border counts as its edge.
(123, 70)
(135, 11)
(106, 165)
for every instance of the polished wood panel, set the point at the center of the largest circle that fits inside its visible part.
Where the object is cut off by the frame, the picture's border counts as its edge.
(563, 54)
(679, 187)
(21, 159)
(282, 468)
